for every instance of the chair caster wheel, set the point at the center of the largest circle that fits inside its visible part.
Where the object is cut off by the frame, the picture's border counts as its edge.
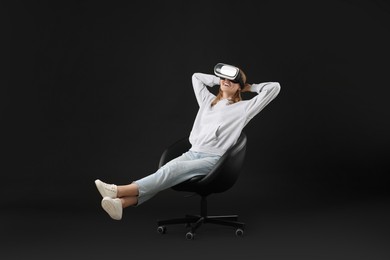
(190, 235)
(162, 229)
(239, 232)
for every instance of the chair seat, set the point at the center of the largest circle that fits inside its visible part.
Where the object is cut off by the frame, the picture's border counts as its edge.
(188, 185)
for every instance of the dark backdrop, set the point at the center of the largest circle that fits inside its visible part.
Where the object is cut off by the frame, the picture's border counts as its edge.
(97, 89)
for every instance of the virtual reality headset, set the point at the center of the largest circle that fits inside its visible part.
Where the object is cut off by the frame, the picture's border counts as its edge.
(225, 71)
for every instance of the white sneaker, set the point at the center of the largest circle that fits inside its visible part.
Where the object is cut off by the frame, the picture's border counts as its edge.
(106, 190)
(113, 207)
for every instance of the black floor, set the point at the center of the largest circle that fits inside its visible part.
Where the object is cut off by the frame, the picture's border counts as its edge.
(357, 229)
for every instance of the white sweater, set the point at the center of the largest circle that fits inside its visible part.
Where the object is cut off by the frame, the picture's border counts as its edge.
(217, 128)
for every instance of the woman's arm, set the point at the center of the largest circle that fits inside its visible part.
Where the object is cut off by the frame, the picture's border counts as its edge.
(199, 83)
(266, 92)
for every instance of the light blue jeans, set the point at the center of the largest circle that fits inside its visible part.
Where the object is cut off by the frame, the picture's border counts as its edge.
(178, 170)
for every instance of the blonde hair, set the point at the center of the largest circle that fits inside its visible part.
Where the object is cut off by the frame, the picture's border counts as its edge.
(237, 96)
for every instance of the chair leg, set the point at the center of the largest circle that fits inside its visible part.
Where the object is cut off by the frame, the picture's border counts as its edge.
(197, 224)
(186, 220)
(192, 216)
(224, 222)
(227, 217)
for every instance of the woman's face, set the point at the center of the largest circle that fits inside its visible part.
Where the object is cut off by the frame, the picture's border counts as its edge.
(228, 86)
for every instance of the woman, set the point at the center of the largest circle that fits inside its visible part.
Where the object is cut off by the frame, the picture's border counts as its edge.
(217, 126)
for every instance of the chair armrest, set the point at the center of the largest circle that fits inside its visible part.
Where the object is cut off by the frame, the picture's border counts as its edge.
(224, 162)
(214, 171)
(175, 150)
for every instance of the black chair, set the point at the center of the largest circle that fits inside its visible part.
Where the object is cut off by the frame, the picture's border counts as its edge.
(221, 178)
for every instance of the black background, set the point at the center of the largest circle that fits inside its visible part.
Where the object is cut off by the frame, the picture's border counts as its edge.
(98, 89)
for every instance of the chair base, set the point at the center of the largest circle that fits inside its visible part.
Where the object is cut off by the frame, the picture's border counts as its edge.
(195, 221)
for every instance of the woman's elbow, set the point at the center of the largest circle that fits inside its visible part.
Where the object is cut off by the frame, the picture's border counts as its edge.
(196, 75)
(276, 88)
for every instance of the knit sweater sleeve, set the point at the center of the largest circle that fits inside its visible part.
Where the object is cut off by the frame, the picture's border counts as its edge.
(200, 81)
(266, 92)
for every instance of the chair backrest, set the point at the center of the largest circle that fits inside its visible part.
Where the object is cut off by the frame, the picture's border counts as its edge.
(223, 175)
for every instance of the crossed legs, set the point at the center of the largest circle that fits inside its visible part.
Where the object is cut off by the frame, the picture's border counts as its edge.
(128, 194)
(115, 198)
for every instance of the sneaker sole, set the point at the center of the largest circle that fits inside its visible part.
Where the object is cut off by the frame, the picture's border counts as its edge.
(110, 208)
